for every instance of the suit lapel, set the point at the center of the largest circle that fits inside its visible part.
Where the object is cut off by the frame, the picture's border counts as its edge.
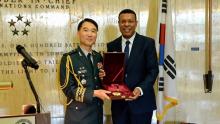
(119, 45)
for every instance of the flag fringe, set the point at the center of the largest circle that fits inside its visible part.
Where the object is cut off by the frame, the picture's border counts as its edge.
(172, 102)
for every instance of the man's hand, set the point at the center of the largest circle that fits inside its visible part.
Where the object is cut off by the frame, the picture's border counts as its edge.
(101, 74)
(136, 94)
(101, 71)
(102, 94)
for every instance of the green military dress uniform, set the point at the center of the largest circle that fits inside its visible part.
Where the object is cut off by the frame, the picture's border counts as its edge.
(78, 81)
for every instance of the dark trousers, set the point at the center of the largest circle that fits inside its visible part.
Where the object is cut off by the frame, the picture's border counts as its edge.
(124, 116)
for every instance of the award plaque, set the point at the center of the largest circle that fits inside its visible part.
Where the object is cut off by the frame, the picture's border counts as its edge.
(113, 65)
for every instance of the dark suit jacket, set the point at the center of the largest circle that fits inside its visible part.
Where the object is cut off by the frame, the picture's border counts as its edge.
(142, 70)
(87, 110)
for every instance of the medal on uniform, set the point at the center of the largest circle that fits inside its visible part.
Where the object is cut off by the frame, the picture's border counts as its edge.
(99, 65)
(83, 81)
(81, 74)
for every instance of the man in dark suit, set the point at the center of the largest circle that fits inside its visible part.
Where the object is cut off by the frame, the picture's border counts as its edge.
(80, 79)
(141, 70)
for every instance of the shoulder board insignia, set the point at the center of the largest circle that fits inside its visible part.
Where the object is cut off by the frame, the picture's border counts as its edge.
(94, 52)
(70, 53)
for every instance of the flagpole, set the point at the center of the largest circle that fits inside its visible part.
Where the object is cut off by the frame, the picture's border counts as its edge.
(208, 36)
(210, 33)
(208, 78)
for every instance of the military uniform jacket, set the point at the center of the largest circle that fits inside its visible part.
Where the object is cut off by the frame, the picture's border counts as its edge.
(78, 81)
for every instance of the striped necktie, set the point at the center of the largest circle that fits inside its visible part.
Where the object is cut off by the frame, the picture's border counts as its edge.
(126, 51)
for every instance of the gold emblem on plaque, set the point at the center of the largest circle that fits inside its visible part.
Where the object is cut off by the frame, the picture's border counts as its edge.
(116, 93)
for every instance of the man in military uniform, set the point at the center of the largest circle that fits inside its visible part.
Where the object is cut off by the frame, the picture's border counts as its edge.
(80, 78)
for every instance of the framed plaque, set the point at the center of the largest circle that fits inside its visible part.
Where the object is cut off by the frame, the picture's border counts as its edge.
(114, 67)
